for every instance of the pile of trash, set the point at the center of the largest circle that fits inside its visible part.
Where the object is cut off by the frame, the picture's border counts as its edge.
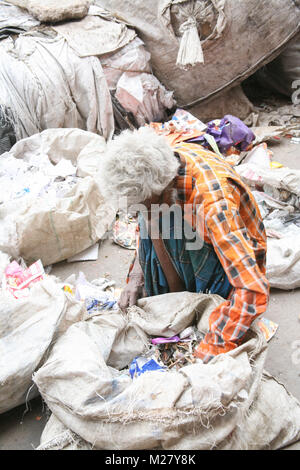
(51, 206)
(101, 76)
(93, 73)
(98, 369)
(277, 115)
(15, 20)
(166, 353)
(106, 389)
(277, 192)
(97, 296)
(35, 310)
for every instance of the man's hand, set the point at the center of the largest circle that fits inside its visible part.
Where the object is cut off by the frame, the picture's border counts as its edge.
(131, 293)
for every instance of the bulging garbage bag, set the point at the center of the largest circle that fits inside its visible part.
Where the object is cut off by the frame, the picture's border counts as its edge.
(229, 403)
(53, 11)
(229, 32)
(278, 195)
(47, 85)
(29, 326)
(47, 212)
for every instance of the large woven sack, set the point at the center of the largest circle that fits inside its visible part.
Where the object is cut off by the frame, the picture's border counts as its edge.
(28, 328)
(56, 436)
(55, 228)
(283, 256)
(237, 37)
(47, 85)
(54, 11)
(229, 403)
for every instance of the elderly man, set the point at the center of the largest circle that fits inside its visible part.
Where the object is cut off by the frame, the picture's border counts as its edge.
(228, 255)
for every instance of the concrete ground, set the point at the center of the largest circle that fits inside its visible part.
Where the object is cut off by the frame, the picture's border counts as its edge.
(21, 429)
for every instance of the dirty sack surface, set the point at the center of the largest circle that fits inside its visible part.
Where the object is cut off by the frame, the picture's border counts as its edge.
(230, 403)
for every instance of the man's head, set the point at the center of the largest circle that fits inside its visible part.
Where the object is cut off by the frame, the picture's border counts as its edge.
(138, 165)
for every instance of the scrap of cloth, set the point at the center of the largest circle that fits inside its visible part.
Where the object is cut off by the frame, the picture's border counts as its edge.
(220, 208)
(230, 134)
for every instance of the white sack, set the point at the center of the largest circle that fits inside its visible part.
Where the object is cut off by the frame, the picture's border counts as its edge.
(283, 262)
(46, 85)
(219, 405)
(43, 224)
(14, 17)
(28, 328)
(56, 436)
(88, 159)
(77, 91)
(281, 195)
(281, 178)
(95, 35)
(54, 11)
(161, 23)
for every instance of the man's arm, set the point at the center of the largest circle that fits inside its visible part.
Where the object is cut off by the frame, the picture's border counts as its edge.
(132, 291)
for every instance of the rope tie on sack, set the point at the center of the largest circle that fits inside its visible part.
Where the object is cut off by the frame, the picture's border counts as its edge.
(190, 50)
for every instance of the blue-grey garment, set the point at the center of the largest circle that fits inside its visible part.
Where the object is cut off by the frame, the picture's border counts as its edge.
(199, 269)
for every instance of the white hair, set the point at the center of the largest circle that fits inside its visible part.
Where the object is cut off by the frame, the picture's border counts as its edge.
(138, 165)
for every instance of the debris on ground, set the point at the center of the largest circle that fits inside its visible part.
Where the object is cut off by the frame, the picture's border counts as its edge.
(277, 191)
(125, 231)
(178, 355)
(268, 328)
(18, 281)
(97, 295)
(143, 364)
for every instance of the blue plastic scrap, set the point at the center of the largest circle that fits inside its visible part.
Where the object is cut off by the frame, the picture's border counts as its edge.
(94, 305)
(141, 364)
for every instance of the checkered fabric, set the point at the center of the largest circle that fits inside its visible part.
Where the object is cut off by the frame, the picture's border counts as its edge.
(230, 220)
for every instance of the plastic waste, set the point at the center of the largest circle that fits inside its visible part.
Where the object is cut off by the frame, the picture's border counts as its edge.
(142, 364)
(95, 297)
(17, 280)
